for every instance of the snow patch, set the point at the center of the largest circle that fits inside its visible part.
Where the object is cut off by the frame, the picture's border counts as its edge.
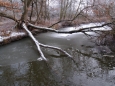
(1, 39)
(105, 28)
(17, 34)
(13, 34)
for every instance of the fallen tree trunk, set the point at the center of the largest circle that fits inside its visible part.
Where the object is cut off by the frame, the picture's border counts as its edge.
(69, 32)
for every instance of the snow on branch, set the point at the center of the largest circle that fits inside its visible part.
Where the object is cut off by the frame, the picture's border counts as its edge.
(42, 45)
(35, 41)
(57, 48)
(72, 31)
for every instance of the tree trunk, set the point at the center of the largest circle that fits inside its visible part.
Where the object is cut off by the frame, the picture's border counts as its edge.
(26, 8)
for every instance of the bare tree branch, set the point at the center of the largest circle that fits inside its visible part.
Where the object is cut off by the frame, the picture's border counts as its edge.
(8, 16)
(35, 41)
(76, 15)
(32, 8)
(12, 8)
(57, 48)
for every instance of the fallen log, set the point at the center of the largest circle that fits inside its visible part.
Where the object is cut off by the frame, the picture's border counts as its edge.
(38, 44)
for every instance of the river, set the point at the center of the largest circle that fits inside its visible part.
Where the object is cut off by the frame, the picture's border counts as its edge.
(92, 67)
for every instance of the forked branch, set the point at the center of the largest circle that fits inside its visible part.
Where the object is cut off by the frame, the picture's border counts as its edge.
(35, 41)
(42, 45)
(56, 48)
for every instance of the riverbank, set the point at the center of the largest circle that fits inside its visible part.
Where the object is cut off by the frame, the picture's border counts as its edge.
(9, 33)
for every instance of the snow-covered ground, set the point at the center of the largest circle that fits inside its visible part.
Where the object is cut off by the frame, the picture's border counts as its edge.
(13, 34)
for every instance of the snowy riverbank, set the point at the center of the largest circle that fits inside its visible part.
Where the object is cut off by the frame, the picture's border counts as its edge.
(18, 35)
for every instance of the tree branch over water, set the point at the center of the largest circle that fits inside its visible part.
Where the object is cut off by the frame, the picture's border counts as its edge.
(40, 44)
(72, 31)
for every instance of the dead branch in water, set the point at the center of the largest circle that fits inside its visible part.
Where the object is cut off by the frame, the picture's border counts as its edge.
(35, 41)
(40, 44)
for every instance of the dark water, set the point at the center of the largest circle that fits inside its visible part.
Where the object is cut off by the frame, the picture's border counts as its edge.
(94, 66)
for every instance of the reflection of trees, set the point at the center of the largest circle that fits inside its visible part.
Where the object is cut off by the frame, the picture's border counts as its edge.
(26, 74)
(14, 75)
(7, 78)
(39, 74)
(110, 62)
(93, 64)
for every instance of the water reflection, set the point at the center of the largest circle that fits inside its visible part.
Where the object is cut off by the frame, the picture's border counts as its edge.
(89, 70)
